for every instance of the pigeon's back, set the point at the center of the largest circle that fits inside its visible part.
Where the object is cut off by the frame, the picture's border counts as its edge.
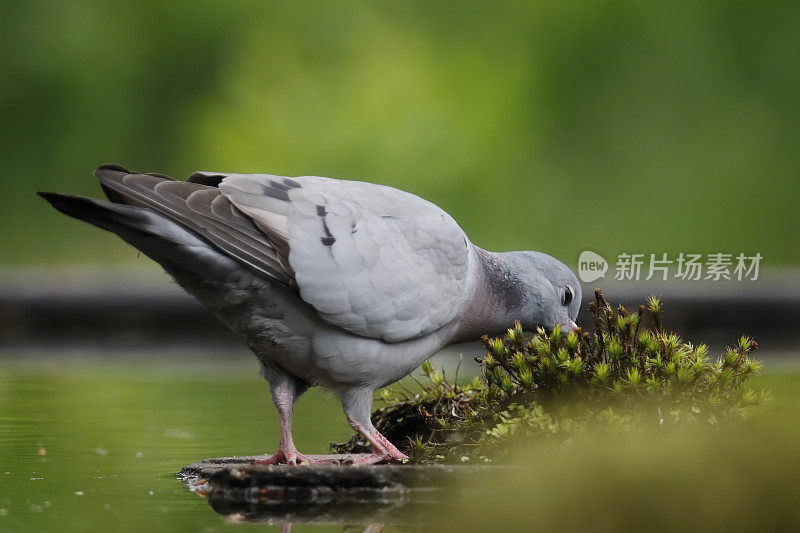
(373, 260)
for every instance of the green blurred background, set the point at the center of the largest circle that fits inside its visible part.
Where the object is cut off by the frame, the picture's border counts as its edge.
(560, 126)
(557, 126)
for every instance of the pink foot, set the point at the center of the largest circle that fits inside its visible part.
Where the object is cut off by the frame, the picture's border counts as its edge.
(383, 451)
(384, 447)
(289, 456)
(378, 459)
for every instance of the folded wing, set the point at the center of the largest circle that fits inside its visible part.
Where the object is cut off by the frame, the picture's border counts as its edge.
(374, 260)
(201, 208)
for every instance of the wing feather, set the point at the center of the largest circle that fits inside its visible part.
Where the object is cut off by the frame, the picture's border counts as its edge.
(371, 259)
(202, 209)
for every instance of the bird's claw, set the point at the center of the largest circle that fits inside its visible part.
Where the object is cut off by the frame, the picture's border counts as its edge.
(288, 457)
(379, 458)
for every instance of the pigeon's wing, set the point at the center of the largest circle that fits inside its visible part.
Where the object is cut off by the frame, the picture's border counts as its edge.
(201, 208)
(374, 260)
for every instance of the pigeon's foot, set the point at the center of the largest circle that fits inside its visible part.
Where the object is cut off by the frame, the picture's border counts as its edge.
(378, 459)
(286, 455)
(381, 445)
(383, 451)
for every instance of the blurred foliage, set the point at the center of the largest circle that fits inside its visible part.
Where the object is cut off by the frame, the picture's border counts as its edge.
(563, 117)
(664, 479)
(628, 375)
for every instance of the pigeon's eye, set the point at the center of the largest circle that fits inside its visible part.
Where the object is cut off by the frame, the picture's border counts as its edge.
(566, 298)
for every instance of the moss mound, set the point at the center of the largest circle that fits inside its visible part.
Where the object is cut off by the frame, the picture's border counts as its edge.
(629, 374)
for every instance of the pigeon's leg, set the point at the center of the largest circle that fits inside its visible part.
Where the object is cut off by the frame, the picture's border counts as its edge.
(285, 390)
(357, 405)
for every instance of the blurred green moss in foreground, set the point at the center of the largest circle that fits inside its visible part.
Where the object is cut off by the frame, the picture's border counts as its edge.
(665, 479)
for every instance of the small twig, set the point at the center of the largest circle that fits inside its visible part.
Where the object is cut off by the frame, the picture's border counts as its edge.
(418, 382)
(406, 389)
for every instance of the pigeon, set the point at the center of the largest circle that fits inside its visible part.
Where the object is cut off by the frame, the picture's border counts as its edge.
(343, 284)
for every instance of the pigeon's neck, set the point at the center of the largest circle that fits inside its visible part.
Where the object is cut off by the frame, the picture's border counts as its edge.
(497, 300)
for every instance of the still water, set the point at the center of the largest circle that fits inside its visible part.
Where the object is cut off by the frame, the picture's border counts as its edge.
(94, 443)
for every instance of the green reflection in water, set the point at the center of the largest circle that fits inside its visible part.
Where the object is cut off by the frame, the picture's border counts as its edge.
(95, 443)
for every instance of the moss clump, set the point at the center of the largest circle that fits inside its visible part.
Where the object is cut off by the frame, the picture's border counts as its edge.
(626, 375)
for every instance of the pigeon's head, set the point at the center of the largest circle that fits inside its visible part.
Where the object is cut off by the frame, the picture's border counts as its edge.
(549, 291)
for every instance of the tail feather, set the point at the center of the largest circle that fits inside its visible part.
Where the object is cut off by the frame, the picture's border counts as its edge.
(106, 215)
(198, 206)
(158, 237)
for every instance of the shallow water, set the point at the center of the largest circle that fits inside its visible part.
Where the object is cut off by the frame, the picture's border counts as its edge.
(95, 443)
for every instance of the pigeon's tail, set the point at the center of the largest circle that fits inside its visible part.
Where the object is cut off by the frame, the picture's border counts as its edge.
(156, 236)
(106, 215)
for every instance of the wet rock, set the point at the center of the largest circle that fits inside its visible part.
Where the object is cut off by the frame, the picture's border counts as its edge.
(333, 493)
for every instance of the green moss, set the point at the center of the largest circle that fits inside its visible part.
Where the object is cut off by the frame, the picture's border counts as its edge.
(628, 375)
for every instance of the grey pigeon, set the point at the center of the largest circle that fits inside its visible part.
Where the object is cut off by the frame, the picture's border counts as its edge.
(344, 284)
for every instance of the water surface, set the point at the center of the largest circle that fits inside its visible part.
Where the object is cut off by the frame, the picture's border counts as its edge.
(95, 442)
